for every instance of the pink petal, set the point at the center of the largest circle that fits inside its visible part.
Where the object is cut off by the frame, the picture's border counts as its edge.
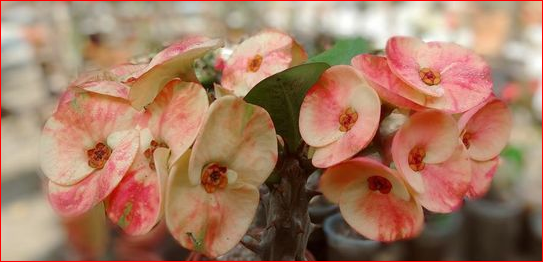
(446, 183)
(389, 87)
(78, 198)
(339, 88)
(135, 204)
(490, 127)
(379, 216)
(336, 178)
(177, 114)
(175, 61)
(482, 174)
(211, 224)
(108, 82)
(278, 50)
(82, 120)
(247, 144)
(465, 76)
(432, 130)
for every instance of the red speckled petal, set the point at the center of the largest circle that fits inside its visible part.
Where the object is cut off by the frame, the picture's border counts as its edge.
(490, 127)
(465, 76)
(175, 61)
(389, 87)
(247, 144)
(336, 178)
(211, 224)
(339, 88)
(177, 114)
(135, 204)
(482, 174)
(382, 217)
(278, 51)
(77, 199)
(446, 183)
(432, 130)
(82, 120)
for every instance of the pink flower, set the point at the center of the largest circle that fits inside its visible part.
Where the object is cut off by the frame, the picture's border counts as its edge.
(174, 118)
(484, 131)
(449, 77)
(339, 115)
(262, 55)
(142, 83)
(86, 148)
(389, 87)
(373, 199)
(212, 198)
(111, 82)
(173, 62)
(428, 154)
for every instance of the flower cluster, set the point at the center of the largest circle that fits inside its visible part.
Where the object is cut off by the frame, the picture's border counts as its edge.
(123, 137)
(149, 142)
(446, 148)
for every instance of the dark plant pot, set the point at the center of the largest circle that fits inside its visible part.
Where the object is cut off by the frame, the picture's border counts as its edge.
(343, 244)
(230, 256)
(319, 210)
(535, 228)
(437, 241)
(493, 229)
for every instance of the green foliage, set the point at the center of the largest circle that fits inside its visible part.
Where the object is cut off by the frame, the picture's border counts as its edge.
(342, 52)
(282, 95)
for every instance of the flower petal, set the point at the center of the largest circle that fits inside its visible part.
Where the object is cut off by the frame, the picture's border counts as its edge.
(379, 216)
(277, 51)
(446, 183)
(78, 198)
(465, 76)
(339, 88)
(482, 174)
(432, 130)
(135, 204)
(489, 126)
(108, 82)
(174, 61)
(208, 223)
(389, 87)
(336, 178)
(82, 120)
(247, 144)
(177, 114)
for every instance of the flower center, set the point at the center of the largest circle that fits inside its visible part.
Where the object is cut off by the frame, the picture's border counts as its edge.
(379, 183)
(151, 150)
(214, 177)
(416, 156)
(347, 119)
(466, 138)
(254, 64)
(429, 76)
(98, 155)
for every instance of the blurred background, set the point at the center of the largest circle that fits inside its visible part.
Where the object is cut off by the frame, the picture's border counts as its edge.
(45, 45)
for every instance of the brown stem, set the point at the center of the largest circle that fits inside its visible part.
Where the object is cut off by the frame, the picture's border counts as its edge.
(288, 224)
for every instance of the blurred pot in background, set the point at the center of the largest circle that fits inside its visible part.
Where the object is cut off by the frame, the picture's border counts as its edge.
(344, 243)
(535, 228)
(319, 210)
(440, 238)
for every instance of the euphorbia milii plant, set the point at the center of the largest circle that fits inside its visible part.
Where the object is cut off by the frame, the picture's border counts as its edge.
(148, 140)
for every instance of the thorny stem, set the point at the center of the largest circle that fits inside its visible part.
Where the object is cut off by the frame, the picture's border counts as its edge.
(288, 225)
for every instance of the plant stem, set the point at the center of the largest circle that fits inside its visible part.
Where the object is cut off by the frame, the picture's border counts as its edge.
(288, 225)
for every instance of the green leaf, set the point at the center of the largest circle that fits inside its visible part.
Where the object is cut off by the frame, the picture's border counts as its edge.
(282, 95)
(342, 52)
